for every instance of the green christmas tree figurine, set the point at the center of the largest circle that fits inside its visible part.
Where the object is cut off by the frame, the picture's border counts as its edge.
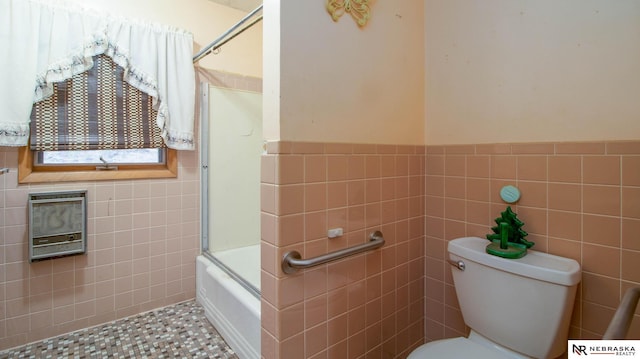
(508, 236)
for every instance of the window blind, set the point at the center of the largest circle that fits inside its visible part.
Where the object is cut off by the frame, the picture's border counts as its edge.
(96, 109)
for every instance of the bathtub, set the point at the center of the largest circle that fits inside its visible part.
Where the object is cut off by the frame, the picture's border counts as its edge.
(232, 308)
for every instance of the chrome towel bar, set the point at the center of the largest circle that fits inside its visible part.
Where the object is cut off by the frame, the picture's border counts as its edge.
(292, 261)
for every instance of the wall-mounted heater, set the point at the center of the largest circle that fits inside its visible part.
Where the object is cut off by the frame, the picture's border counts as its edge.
(57, 224)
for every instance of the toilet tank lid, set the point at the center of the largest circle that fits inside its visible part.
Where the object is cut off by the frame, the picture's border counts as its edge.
(538, 265)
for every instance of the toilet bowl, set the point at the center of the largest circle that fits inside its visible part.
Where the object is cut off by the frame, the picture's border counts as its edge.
(516, 308)
(475, 346)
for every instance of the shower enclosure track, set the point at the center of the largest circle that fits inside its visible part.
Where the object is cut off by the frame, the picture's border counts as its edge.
(222, 39)
(231, 273)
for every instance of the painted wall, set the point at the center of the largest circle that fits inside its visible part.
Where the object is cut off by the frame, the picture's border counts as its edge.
(529, 71)
(339, 83)
(206, 20)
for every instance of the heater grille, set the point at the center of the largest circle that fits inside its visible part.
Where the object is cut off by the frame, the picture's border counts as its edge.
(57, 224)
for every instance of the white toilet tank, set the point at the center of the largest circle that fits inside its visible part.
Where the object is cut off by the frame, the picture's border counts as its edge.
(523, 304)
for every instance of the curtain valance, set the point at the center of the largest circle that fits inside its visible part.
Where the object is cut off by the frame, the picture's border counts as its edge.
(47, 42)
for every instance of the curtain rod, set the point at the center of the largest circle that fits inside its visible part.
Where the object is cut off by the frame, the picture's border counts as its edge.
(216, 43)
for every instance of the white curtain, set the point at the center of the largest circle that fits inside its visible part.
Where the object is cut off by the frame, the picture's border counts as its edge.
(45, 42)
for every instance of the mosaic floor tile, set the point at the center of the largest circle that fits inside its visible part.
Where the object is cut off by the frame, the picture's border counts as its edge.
(178, 331)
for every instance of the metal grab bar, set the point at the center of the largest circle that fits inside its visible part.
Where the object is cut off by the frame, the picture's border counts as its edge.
(619, 325)
(292, 261)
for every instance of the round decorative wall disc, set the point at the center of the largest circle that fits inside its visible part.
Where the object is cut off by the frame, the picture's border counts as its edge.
(510, 194)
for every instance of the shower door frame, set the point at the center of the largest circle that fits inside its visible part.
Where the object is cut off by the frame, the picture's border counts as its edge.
(204, 191)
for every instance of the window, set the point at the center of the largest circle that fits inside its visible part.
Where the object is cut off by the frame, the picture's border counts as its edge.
(32, 170)
(95, 126)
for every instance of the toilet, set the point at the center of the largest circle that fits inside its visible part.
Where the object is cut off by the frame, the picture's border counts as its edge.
(516, 308)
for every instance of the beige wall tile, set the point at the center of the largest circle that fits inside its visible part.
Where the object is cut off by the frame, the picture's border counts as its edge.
(387, 166)
(630, 265)
(601, 260)
(503, 167)
(435, 165)
(455, 165)
(355, 193)
(532, 168)
(601, 199)
(315, 197)
(455, 209)
(336, 194)
(372, 166)
(289, 199)
(623, 147)
(454, 187)
(565, 169)
(434, 185)
(316, 226)
(593, 148)
(494, 149)
(631, 170)
(459, 149)
(402, 165)
(601, 290)
(601, 230)
(289, 230)
(535, 219)
(478, 166)
(565, 196)
(565, 248)
(631, 202)
(601, 170)
(565, 225)
(315, 169)
(596, 318)
(533, 194)
(478, 189)
(337, 168)
(630, 230)
(532, 148)
(355, 167)
(479, 213)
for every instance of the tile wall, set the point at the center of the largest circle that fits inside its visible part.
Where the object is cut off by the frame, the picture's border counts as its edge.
(579, 200)
(143, 236)
(370, 305)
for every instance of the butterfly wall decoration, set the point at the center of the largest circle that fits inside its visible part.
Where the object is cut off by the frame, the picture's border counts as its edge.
(359, 10)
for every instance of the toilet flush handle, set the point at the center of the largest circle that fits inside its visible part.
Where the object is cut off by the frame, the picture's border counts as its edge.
(458, 264)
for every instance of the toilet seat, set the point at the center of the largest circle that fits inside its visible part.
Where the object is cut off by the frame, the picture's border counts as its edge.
(455, 348)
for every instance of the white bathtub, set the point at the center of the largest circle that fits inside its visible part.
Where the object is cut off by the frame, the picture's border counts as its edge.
(232, 309)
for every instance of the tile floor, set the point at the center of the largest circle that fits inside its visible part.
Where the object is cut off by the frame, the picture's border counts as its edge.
(178, 331)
